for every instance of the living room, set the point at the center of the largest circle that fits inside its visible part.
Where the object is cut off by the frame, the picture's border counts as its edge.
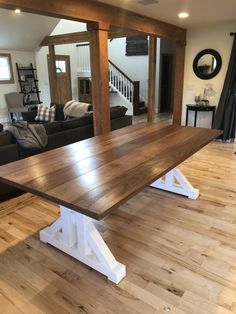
(179, 252)
(26, 51)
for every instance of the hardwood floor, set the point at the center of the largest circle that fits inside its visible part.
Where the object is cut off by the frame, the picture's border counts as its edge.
(180, 254)
(164, 118)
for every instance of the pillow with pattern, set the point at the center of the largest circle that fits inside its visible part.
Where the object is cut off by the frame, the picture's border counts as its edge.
(46, 114)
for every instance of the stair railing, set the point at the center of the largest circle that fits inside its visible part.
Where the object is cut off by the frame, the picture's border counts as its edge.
(118, 80)
(121, 83)
(83, 58)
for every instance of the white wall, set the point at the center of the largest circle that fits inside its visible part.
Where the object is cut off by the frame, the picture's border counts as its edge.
(24, 58)
(214, 37)
(136, 67)
(64, 26)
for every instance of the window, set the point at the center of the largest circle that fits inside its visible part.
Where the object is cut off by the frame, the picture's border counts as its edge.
(6, 73)
(61, 66)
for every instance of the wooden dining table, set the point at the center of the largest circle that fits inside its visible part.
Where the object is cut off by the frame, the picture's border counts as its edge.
(90, 178)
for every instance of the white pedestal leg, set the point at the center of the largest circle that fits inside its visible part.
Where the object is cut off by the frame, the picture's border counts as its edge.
(76, 235)
(175, 181)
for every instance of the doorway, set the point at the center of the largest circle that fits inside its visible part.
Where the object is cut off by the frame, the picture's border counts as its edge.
(166, 84)
(63, 74)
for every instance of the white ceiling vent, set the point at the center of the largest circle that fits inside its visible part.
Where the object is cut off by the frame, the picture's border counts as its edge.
(148, 2)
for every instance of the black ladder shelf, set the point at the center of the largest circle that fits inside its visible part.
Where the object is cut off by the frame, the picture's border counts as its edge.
(28, 81)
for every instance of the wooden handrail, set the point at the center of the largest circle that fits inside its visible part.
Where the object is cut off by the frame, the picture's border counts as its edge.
(126, 76)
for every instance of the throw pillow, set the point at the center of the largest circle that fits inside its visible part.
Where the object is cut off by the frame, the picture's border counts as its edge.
(29, 116)
(76, 109)
(59, 111)
(46, 114)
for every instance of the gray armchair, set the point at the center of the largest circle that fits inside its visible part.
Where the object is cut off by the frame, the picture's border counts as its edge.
(15, 104)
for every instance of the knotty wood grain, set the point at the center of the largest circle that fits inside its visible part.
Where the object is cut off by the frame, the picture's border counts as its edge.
(99, 174)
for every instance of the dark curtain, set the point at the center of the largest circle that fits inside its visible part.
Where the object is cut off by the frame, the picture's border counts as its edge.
(225, 118)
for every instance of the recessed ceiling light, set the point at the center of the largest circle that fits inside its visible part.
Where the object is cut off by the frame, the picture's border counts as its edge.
(17, 11)
(183, 15)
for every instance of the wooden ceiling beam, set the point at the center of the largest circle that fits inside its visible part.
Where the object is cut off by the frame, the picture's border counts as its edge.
(116, 32)
(70, 38)
(87, 11)
(80, 37)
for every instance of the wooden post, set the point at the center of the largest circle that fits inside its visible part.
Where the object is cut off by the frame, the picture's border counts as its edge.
(179, 81)
(151, 78)
(52, 74)
(99, 72)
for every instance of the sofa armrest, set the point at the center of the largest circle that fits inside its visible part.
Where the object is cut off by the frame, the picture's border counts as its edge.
(121, 122)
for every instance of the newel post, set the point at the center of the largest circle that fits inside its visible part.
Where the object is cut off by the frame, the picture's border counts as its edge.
(136, 85)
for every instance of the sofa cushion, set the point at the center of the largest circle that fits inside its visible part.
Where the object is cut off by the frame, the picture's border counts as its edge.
(45, 114)
(53, 127)
(59, 111)
(6, 138)
(117, 111)
(77, 122)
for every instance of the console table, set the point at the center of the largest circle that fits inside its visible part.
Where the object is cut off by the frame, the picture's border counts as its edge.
(202, 108)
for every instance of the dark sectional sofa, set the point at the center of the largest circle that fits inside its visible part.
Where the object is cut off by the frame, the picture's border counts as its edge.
(60, 133)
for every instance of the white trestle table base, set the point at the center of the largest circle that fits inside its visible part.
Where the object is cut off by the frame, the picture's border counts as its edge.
(175, 181)
(76, 235)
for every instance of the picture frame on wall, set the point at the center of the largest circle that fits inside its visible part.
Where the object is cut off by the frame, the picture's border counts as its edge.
(137, 45)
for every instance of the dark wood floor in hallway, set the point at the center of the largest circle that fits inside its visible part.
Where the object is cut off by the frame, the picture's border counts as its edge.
(180, 254)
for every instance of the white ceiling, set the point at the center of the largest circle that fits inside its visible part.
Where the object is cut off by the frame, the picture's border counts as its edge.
(202, 12)
(23, 31)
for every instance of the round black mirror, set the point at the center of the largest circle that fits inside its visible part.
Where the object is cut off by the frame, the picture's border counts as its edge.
(207, 64)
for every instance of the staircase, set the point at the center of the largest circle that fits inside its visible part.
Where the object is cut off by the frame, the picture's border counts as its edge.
(126, 88)
(119, 82)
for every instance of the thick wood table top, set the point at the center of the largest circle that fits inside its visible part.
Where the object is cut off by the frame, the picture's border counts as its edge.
(96, 175)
